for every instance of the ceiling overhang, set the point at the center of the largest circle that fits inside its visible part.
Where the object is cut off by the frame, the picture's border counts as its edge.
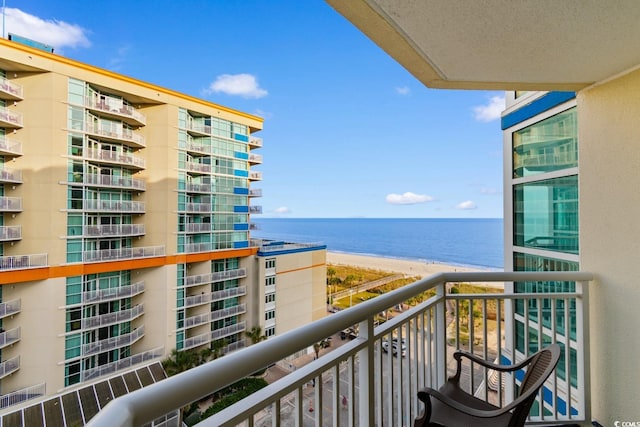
(503, 44)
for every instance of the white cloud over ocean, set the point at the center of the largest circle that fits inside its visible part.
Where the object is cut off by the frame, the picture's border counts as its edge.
(244, 85)
(467, 205)
(407, 198)
(490, 111)
(282, 210)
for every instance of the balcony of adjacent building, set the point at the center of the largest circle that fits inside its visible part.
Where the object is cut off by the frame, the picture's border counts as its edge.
(10, 204)
(101, 255)
(255, 209)
(122, 364)
(362, 381)
(9, 308)
(198, 128)
(207, 318)
(109, 319)
(208, 297)
(115, 158)
(197, 227)
(9, 90)
(10, 119)
(255, 176)
(113, 343)
(9, 366)
(195, 187)
(9, 337)
(111, 294)
(111, 181)
(255, 192)
(113, 230)
(10, 147)
(255, 142)
(255, 159)
(115, 206)
(197, 207)
(198, 168)
(206, 338)
(10, 233)
(219, 276)
(115, 133)
(115, 108)
(10, 176)
(21, 262)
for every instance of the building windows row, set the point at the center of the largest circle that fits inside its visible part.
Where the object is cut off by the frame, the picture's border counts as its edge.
(270, 281)
(270, 263)
(269, 315)
(269, 298)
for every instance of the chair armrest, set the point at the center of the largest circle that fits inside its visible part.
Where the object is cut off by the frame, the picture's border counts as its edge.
(426, 393)
(458, 355)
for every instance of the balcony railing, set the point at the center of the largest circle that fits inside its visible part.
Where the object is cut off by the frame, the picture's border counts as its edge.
(114, 181)
(22, 395)
(10, 307)
(255, 141)
(10, 204)
(255, 192)
(198, 227)
(127, 206)
(255, 176)
(255, 209)
(11, 176)
(206, 298)
(191, 248)
(9, 118)
(199, 340)
(197, 207)
(112, 343)
(115, 133)
(9, 147)
(10, 90)
(112, 318)
(102, 295)
(10, 232)
(113, 230)
(9, 366)
(194, 187)
(123, 253)
(115, 157)
(198, 167)
(220, 276)
(255, 158)
(121, 364)
(9, 337)
(201, 319)
(20, 262)
(116, 108)
(360, 384)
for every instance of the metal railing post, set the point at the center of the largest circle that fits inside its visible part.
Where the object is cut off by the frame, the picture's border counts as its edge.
(441, 331)
(366, 382)
(584, 353)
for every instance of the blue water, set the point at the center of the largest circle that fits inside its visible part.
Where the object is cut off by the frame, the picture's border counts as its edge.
(465, 242)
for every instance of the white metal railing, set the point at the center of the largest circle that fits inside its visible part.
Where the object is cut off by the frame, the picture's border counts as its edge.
(198, 247)
(255, 141)
(112, 318)
(114, 106)
(10, 146)
(10, 307)
(255, 209)
(195, 187)
(22, 395)
(10, 232)
(226, 331)
(122, 253)
(19, 262)
(112, 343)
(197, 207)
(198, 167)
(255, 158)
(113, 230)
(9, 337)
(114, 181)
(12, 118)
(99, 295)
(219, 276)
(11, 175)
(255, 175)
(121, 364)
(201, 319)
(113, 206)
(205, 298)
(255, 192)
(115, 157)
(198, 227)
(359, 383)
(115, 131)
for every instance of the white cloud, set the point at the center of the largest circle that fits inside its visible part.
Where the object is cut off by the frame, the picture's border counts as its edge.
(58, 34)
(490, 111)
(407, 198)
(489, 191)
(244, 85)
(404, 90)
(468, 205)
(282, 210)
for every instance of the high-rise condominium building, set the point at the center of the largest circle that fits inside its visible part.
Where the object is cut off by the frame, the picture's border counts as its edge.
(125, 227)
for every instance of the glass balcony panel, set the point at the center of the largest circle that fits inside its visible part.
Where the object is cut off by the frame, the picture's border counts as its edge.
(198, 167)
(114, 181)
(10, 119)
(201, 227)
(123, 253)
(115, 107)
(115, 157)
(114, 230)
(10, 90)
(255, 158)
(255, 192)
(9, 147)
(11, 176)
(255, 141)
(255, 209)
(198, 247)
(124, 206)
(10, 233)
(112, 133)
(255, 176)
(10, 204)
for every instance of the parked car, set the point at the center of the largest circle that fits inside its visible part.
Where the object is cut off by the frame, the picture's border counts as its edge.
(397, 346)
(350, 333)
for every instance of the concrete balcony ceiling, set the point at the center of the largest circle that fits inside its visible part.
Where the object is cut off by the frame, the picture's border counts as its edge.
(503, 44)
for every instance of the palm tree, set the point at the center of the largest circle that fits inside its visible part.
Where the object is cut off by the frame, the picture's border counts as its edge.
(255, 335)
(179, 361)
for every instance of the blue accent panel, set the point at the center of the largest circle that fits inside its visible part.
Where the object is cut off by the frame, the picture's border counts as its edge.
(241, 227)
(238, 172)
(241, 155)
(536, 107)
(291, 251)
(239, 137)
(240, 190)
(239, 245)
(241, 209)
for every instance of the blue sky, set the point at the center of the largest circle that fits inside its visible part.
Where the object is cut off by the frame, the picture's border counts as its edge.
(348, 132)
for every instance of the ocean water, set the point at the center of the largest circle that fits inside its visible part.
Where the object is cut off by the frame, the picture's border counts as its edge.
(465, 242)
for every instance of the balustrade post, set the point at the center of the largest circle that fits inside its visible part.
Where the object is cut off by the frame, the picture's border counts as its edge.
(366, 382)
(583, 348)
(441, 334)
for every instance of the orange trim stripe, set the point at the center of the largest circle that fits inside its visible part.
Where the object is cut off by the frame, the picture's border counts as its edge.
(44, 273)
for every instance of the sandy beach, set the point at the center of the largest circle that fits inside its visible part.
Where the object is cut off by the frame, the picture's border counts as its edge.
(410, 268)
